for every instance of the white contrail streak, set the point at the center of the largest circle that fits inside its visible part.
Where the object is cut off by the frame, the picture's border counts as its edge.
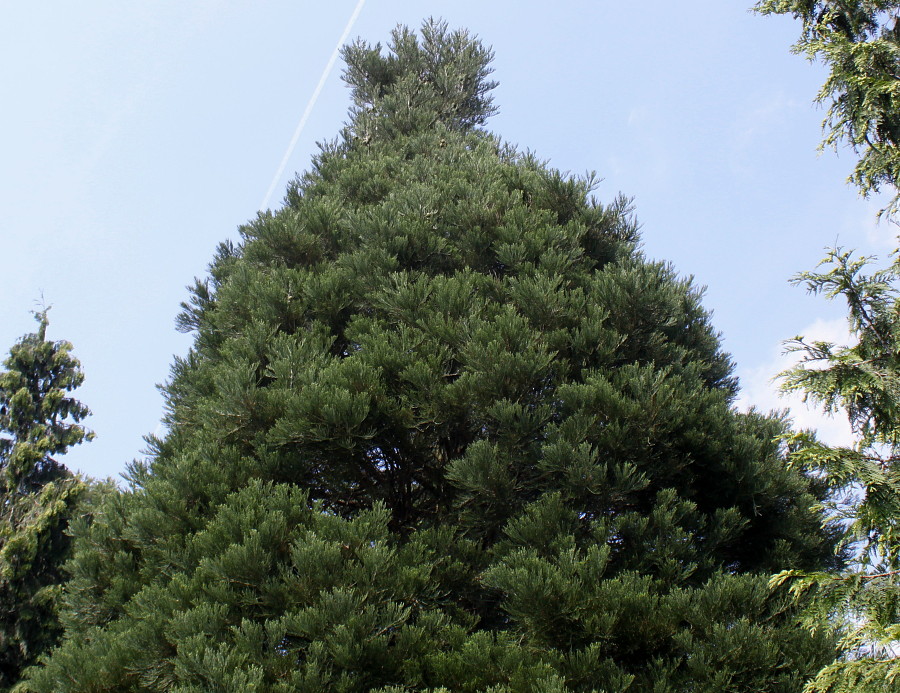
(311, 105)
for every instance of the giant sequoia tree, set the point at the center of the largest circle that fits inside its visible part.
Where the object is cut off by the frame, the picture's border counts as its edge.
(443, 427)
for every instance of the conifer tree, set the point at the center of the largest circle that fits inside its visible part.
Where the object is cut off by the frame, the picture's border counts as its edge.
(860, 380)
(859, 42)
(38, 422)
(445, 428)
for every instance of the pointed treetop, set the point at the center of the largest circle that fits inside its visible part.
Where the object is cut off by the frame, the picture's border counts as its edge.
(37, 419)
(440, 78)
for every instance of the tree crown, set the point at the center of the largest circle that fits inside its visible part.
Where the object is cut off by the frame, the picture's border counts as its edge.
(37, 417)
(442, 78)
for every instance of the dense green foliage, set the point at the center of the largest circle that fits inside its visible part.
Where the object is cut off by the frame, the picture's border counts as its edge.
(38, 421)
(859, 41)
(443, 427)
(862, 380)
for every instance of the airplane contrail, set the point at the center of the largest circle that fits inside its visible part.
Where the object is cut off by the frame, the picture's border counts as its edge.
(311, 105)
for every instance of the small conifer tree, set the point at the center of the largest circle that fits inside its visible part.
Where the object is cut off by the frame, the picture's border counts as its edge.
(445, 428)
(38, 422)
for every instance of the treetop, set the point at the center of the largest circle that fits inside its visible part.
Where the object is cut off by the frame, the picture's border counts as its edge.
(441, 77)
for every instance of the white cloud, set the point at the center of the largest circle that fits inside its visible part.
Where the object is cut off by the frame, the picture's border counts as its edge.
(759, 389)
(880, 233)
(638, 117)
(858, 226)
(758, 123)
(753, 130)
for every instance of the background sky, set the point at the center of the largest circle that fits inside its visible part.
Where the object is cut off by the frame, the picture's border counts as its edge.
(134, 137)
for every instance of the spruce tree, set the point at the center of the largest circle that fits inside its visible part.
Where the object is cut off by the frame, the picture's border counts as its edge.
(38, 495)
(445, 428)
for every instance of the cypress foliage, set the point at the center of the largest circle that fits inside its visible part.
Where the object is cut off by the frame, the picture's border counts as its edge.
(444, 428)
(860, 379)
(859, 43)
(38, 495)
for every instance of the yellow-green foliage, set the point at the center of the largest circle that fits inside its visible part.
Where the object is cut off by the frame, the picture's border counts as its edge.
(38, 496)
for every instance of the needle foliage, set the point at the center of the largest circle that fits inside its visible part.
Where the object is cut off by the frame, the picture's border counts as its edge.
(445, 428)
(38, 496)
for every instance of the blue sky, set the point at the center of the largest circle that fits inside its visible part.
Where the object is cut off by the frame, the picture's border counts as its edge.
(137, 136)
